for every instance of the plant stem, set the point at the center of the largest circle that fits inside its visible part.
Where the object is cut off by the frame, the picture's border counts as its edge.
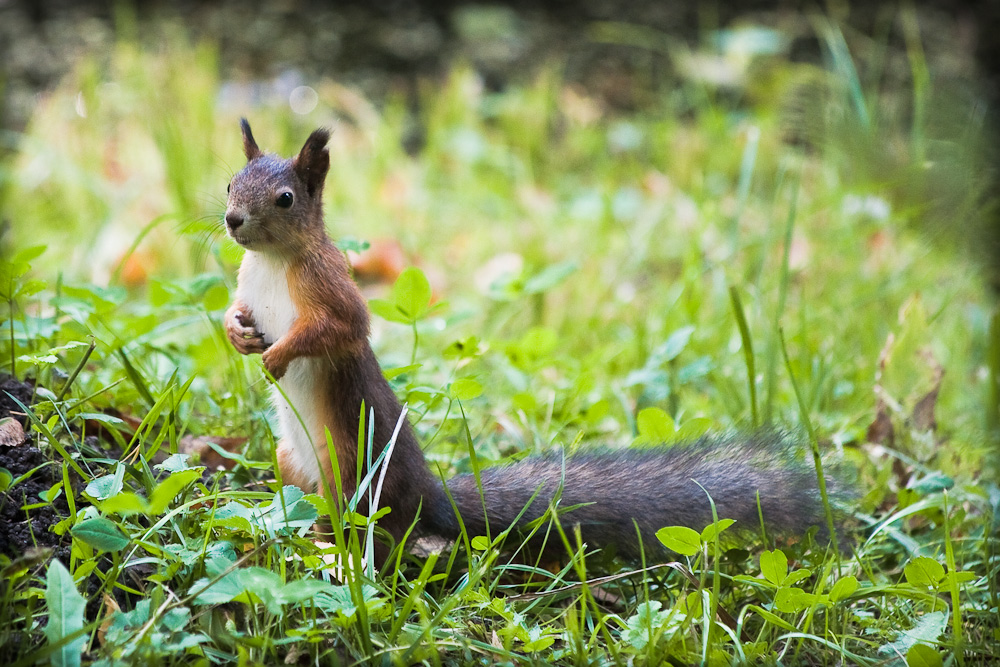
(13, 354)
(416, 340)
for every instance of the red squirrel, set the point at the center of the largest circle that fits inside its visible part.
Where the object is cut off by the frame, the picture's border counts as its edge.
(297, 305)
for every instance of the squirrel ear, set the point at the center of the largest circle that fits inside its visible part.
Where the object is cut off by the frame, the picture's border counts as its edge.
(313, 161)
(250, 148)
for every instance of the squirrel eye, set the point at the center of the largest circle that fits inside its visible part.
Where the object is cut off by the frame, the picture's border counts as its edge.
(284, 200)
(228, 185)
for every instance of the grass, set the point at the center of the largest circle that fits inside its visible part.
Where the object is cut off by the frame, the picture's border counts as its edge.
(603, 278)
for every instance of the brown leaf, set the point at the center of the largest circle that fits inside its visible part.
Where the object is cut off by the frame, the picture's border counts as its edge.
(110, 607)
(880, 431)
(606, 597)
(202, 446)
(11, 432)
(381, 262)
(923, 411)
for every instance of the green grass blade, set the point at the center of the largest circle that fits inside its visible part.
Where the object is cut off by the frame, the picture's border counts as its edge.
(748, 356)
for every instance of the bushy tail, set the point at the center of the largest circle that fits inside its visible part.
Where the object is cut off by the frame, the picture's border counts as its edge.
(652, 487)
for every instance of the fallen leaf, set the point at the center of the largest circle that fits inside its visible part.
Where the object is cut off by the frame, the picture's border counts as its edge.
(880, 431)
(202, 446)
(11, 432)
(382, 262)
(923, 411)
(110, 607)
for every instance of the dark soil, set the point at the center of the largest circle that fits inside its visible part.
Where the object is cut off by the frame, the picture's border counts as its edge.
(20, 529)
(22, 391)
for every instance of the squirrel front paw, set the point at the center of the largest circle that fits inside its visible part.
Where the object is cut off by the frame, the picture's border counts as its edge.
(274, 363)
(243, 334)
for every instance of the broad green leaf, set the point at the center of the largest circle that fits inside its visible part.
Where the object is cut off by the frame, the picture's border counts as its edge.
(125, 504)
(29, 254)
(264, 584)
(294, 514)
(66, 609)
(412, 293)
(169, 487)
(224, 590)
(38, 359)
(295, 592)
(922, 655)
(50, 494)
(923, 571)
(235, 515)
(275, 518)
(100, 533)
(713, 529)
(793, 600)
(339, 600)
(540, 644)
(352, 244)
(175, 463)
(655, 426)
(176, 619)
(160, 293)
(480, 543)
(927, 629)
(692, 429)
(110, 420)
(961, 577)
(549, 277)
(539, 341)
(646, 621)
(796, 576)
(50, 357)
(674, 345)
(681, 539)
(104, 487)
(72, 345)
(774, 619)
(933, 483)
(390, 373)
(465, 389)
(844, 588)
(387, 310)
(215, 297)
(256, 583)
(774, 566)
(218, 561)
(466, 348)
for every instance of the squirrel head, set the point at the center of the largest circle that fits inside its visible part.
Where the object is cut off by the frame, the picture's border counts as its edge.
(275, 204)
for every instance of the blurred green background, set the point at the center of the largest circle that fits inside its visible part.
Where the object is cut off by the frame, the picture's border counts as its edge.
(639, 221)
(580, 186)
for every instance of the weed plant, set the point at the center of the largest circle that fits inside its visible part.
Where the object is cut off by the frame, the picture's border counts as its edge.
(588, 278)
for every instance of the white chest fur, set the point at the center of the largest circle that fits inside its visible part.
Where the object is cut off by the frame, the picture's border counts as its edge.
(263, 289)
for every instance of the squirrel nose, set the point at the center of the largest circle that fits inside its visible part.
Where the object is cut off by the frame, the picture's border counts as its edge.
(234, 220)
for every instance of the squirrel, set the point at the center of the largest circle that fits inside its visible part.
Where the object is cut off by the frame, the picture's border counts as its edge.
(298, 306)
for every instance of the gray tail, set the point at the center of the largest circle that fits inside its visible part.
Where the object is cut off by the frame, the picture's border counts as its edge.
(609, 495)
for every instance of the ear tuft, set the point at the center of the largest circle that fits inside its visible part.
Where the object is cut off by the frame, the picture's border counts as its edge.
(250, 148)
(313, 161)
